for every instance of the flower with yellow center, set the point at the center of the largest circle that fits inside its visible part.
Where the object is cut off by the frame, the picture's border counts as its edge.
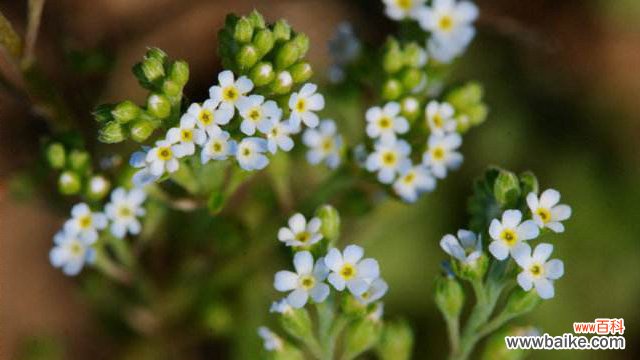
(257, 114)
(441, 154)
(219, 146)
(375, 291)
(466, 248)
(324, 143)
(229, 91)
(389, 158)
(536, 270)
(84, 223)
(209, 115)
(304, 105)
(124, 209)
(305, 282)
(509, 232)
(250, 153)
(163, 157)
(70, 253)
(300, 232)
(439, 118)
(349, 270)
(402, 9)
(186, 136)
(386, 121)
(546, 211)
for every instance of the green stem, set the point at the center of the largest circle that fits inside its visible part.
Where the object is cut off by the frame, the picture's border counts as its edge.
(453, 330)
(122, 251)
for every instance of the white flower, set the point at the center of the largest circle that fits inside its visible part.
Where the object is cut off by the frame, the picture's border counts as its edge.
(208, 115)
(376, 290)
(304, 105)
(386, 121)
(324, 144)
(272, 342)
(537, 271)
(250, 153)
(85, 223)
(257, 114)
(450, 24)
(439, 117)
(70, 252)
(414, 181)
(441, 154)
(218, 146)
(467, 247)
(281, 307)
(443, 51)
(509, 233)
(349, 270)
(124, 210)
(229, 91)
(163, 157)
(186, 137)
(306, 281)
(299, 232)
(546, 212)
(139, 160)
(278, 136)
(402, 9)
(389, 158)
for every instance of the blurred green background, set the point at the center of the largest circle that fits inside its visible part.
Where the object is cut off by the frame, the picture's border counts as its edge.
(562, 82)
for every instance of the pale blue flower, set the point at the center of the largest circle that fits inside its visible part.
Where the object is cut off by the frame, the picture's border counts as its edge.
(325, 145)
(305, 282)
(84, 223)
(124, 210)
(250, 153)
(219, 146)
(349, 270)
(70, 252)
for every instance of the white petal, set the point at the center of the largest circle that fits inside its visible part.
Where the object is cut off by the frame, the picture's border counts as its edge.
(525, 281)
(495, 229)
(522, 254)
(554, 269)
(549, 198)
(297, 223)
(560, 212)
(499, 250)
(511, 218)
(225, 78)
(357, 286)
(555, 226)
(303, 262)
(532, 201)
(544, 288)
(528, 230)
(285, 280)
(80, 210)
(450, 245)
(353, 253)
(118, 229)
(244, 85)
(368, 269)
(297, 298)
(542, 252)
(284, 234)
(320, 292)
(467, 238)
(333, 260)
(337, 281)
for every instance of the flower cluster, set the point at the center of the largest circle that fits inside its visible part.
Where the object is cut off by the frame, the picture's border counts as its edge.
(449, 23)
(208, 126)
(74, 244)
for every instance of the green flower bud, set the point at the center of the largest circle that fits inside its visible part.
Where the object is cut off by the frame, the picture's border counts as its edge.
(477, 114)
(281, 30)
(287, 55)
(297, 323)
(153, 69)
(465, 96)
(69, 183)
(392, 60)
(218, 318)
(141, 129)
(179, 72)
(159, 106)
(506, 189)
(282, 84)
(157, 54)
(414, 55)
(474, 270)
(79, 160)
(243, 31)
(529, 183)
(361, 336)
(262, 74)
(396, 342)
(302, 42)
(495, 350)
(102, 113)
(521, 302)
(125, 112)
(449, 296)
(111, 132)
(264, 41)
(247, 57)
(353, 308)
(411, 78)
(392, 89)
(301, 72)
(56, 155)
(171, 89)
(257, 20)
(97, 187)
(330, 228)
(410, 108)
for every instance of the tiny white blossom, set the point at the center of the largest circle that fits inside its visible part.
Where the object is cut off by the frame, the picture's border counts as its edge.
(509, 232)
(325, 145)
(402, 9)
(537, 271)
(85, 223)
(304, 105)
(441, 154)
(186, 136)
(299, 232)
(208, 115)
(124, 210)
(376, 290)
(256, 113)
(219, 146)
(349, 270)
(250, 153)
(306, 282)
(390, 157)
(279, 136)
(229, 91)
(162, 158)
(414, 181)
(281, 307)
(139, 161)
(439, 117)
(272, 342)
(546, 211)
(70, 252)
(386, 121)
(467, 247)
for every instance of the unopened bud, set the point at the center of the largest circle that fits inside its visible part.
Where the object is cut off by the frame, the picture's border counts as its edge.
(69, 183)
(412, 78)
(247, 57)
(361, 336)
(257, 20)
(465, 96)
(287, 55)
(297, 323)
(56, 155)
(477, 114)
(330, 228)
(414, 56)
(302, 42)
(392, 60)
(262, 74)
(507, 189)
(179, 72)
(125, 112)
(392, 89)
(159, 106)
(529, 183)
(141, 129)
(449, 296)
(281, 30)
(282, 83)
(111, 132)
(410, 108)
(396, 342)
(171, 89)
(102, 113)
(157, 54)
(153, 69)
(521, 302)
(301, 72)
(473, 270)
(97, 187)
(263, 41)
(243, 31)
(79, 160)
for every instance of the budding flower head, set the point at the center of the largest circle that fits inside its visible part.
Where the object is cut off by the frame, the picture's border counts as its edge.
(159, 106)
(56, 155)
(449, 296)
(330, 220)
(507, 189)
(125, 112)
(69, 183)
(111, 132)
(396, 341)
(97, 187)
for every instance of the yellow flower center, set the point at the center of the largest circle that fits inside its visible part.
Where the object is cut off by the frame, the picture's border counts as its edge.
(389, 158)
(301, 105)
(437, 121)
(85, 221)
(246, 152)
(125, 211)
(509, 236)
(186, 135)
(303, 236)
(348, 271)
(409, 178)
(205, 117)
(164, 153)
(404, 4)
(438, 153)
(230, 93)
(327, 144)
(216, 147)
(545, 214)
(307, 282)
(384, 122)
(255, 114)
(75, 248)
(445, 23)
(536, 270)
(365, 295)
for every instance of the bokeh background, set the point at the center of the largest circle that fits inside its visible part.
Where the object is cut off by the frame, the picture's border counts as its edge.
(562, 80)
